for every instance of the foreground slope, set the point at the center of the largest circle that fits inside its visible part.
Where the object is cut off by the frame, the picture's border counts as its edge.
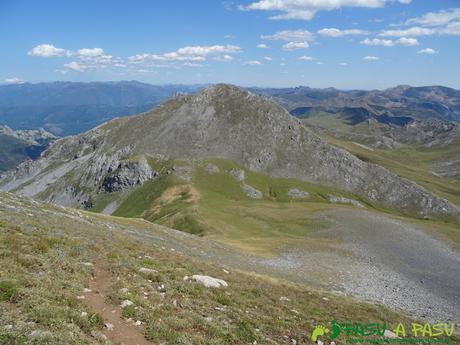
(224, 122)
(50, 256)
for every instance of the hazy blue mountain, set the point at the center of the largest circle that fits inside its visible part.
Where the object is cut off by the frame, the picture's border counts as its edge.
(65, 108)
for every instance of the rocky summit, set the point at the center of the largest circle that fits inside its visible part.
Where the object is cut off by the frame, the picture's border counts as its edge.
(222, 121)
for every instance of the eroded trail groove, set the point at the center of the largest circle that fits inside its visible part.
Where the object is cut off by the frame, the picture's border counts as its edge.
(122, 333)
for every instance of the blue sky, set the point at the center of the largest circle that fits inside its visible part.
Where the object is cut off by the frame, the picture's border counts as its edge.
(319, 43)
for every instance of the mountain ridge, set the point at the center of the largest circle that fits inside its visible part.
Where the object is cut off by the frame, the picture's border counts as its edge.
(222, 121)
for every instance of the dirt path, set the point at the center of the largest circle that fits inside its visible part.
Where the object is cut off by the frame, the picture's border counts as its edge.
(122, 333)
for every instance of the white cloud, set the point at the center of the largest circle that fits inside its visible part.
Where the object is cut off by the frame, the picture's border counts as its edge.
(307, 58)
(191, 53)
(268, 58)
(262, 46)
(343, 64)
(295, 45)
(403, 41)
(75, 66)
(444, 22)
(440, 18)
(191, 64)
(333, 32)
(90, 52)
(371, 58)
(411, 32)
(377, 42)
(13, 80)
(47, 50)
(224, 58)
(252, 63)
(306, 9)
(320, 63)
(427, 51)
(290, 35)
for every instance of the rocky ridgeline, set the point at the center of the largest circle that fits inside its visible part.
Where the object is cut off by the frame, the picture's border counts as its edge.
(224, 122)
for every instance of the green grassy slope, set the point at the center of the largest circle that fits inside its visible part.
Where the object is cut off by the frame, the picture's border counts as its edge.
(49, 254)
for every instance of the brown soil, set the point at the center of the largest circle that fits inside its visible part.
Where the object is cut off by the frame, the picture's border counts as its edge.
(123, 333)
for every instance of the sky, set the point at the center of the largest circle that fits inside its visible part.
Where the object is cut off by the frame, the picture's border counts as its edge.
(347, 44)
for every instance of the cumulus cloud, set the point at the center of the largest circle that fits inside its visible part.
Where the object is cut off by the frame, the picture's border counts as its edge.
(333, 32)
(268, 58)
(191, 53)
(75, 66)
(295, 45)
(307, 58)
(252, 63)
(90, 52)
(13, 80)
(371, 58)
(290, 35)
(403, 41)
(377, 42)
(47, 50)
(427, 51)
(306, 9)
(410, 32)
(262, 46)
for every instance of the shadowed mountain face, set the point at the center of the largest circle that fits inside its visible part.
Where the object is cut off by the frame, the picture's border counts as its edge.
(66, 108)
(224, 122)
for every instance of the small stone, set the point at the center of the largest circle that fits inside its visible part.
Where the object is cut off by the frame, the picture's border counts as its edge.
(138, 323)
(86, 290)
(283, 298)
(209, 282)
(390, 334)
(126, 303)
(87, 264)
(84, 314)
(80, 297)
(109, 326)
(147, 270)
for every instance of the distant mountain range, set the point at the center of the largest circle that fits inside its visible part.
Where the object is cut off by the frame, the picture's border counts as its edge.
(221, 122)
(403, 101)
(66, 108)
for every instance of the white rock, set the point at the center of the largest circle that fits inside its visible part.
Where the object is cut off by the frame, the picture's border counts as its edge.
(109, 326)
(126, 303)
(147, 270)
(87, 290)
(87, 264)
(209, 282)
(84, 314)
(138, 323)
(389, 334)
(282, 298)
